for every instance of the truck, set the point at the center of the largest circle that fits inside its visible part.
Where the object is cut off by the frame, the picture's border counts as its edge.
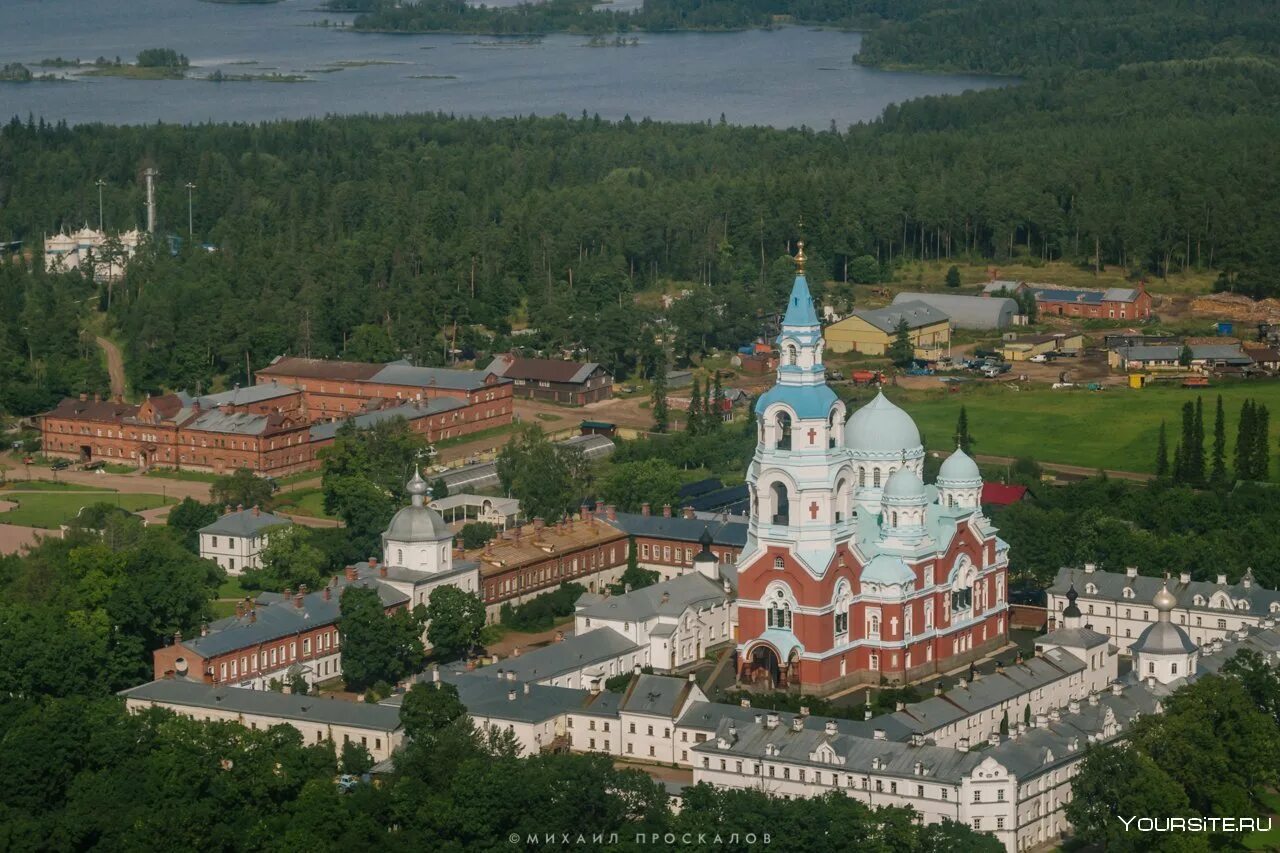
(866, 377)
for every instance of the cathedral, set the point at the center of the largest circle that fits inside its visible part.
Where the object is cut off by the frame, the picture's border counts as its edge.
(855, 570)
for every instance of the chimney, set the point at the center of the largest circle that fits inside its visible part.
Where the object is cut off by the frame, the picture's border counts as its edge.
(511, 675)
(327, 594)
(797, 724)
(666, 597)
(644, 509)
(687, 512)
(595, 687)
(866, 714)
(635, 670)
(900, 706)
(1089, 568)
(993, 739)
(373, 561)
(804, 710)
(878, 734)
(559, 636)
(226, 510)
(584, 512)
(526, 688)
(239, 507)
(1093, 700)
(830, 728)
(302, 589)
(693, 679)
(515, 653)
(1073, 706)
(297, 601)
(771, 721)
(253, 615)
(1039, 721)
(666, 510)
(611, 512)
(1116, 688)
(1222, 580)
(1131, 571)
(435, 675)
(745, 703)
(758, 718)
(511, 696)
(288, 592)
(351, 573)
(177, 637)
(963, 745)
(599, 507)
(999, 668)
(239, 609)
(1184, 578)
(937, 689)
(538, 524)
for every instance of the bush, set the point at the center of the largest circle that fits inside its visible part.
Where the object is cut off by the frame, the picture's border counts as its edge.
(539, 614)
(476, 534)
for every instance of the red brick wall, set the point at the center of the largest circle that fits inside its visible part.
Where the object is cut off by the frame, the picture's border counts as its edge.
(515, 581)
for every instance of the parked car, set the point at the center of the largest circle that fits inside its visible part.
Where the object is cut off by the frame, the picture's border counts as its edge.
(1039, 358)
(60, 464)
(347, 783)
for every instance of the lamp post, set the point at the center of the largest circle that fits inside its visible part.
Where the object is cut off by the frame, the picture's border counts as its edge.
(101, 183)
(190, 230)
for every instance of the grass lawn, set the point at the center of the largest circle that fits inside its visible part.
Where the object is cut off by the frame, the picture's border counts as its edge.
(1269, 840)
(931, 275)
(303, 502)
(491, 432)
(222, 608)
(231, 588)
(1114, 429)
(296, 477)
(49, 486)
(51, 510)
(189, 476)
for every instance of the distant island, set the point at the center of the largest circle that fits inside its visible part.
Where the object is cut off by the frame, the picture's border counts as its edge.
(16, 72)
(583, 16)
(157, 63)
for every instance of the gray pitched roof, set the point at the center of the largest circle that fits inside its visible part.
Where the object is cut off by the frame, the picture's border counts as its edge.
(569, 655)
(1150, 352)
(409, 411)
(246, 395)
(967, 312)
(312, 709)
(669, 598)
(678, 528)
(916, 314)
(1078, 638)
(659, 695)
(1230, 353)
(1111, 585)
(495, 698)
(277, 617)
(244, 523)
(403, 373)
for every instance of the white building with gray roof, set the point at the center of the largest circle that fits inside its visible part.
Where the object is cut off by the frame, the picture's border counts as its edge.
(1120, 604)
(236, 540)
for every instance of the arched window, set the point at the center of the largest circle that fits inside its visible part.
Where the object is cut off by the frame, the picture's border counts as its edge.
(781, 505)
(895, 519)
(399, 557)
(842, 499)
(792, 354)
(875, 478)
(784, 431)
(862, 478)
(833, 429)
(951, 501)
(778, 563)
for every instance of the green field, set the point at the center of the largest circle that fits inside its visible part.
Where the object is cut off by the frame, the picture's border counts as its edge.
(303, 502)
(50, 486)
(188, 476)
(53, 509)
(1114, 429)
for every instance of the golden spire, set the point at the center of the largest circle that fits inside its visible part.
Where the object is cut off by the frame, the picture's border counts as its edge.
(800, 258)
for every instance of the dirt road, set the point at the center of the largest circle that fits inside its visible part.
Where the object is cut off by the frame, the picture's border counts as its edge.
(115, 366)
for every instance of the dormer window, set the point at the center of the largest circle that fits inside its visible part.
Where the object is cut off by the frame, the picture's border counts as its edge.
(1091, 589)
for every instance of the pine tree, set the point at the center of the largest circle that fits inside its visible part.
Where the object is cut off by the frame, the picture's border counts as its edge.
(1261, 443)
(1219, 475)
(717, 403)
(1195, 458)
(1162, 454)
(1182, 465)
(709, 418)
(901, 350)
(1244, 442)
(695, 408)
(963, 440)
(659, 400)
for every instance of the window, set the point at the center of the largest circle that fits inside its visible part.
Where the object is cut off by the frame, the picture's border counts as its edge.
(778, 563)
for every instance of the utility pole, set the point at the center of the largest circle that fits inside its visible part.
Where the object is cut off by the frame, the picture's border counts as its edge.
(190, 230)
(101, 184)
(151, 174)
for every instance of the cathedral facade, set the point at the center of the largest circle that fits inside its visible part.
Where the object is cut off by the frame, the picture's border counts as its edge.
(854, 569)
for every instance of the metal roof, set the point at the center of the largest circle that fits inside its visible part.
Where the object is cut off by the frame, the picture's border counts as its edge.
(244, 523)
(409, 411)
(1256, 600)
(247, 395)
(916, 313)
(572, 654)
(403, 373)
(542, 369)
(313, 709)
(659, 695)
(967, 312)
(681, 529)
(669, 598)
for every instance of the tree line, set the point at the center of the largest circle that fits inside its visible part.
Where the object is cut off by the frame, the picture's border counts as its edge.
(1251, 452)
(328, 231)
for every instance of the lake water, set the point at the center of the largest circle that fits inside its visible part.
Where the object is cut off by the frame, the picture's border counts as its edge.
(784, 78)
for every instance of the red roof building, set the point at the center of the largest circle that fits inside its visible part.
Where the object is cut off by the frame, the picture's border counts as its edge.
(1001, 494)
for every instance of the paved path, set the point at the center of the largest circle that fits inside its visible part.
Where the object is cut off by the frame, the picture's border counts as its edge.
(115, 366)
(134, 483)
(15, 538)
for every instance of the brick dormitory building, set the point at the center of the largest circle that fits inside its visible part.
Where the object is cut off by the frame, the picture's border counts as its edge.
(278, 425)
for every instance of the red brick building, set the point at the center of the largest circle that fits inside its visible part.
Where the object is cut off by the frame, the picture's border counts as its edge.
(278, 425)
(668, 541)
(271, 635)
(1114, 303)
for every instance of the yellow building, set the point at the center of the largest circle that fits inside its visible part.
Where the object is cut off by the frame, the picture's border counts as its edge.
(1023, 348)
(872, 332)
